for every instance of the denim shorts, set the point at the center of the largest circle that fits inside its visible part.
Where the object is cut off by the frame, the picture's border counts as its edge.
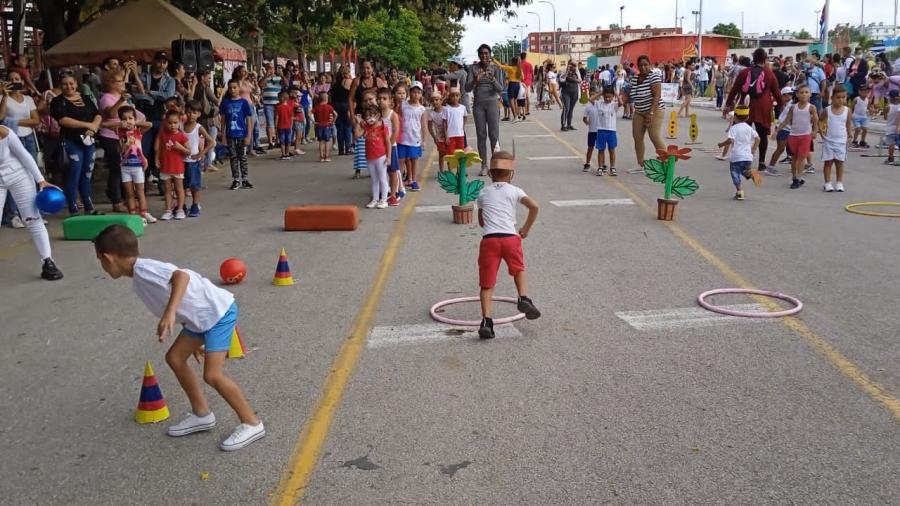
(737, 171)
(323, 133)
(861, 122)
(782, 135)
(269, 111)
(285, 136)
(218, 338)
(193, 179)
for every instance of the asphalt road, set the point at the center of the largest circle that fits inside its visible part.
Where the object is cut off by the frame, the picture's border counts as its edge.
(623, 392)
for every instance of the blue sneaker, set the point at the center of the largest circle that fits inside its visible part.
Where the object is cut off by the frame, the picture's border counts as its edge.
(194, 212)
(401, 194)
(414, 186)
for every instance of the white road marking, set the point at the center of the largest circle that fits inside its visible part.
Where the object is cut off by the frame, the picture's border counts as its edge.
(407, 335)
(432, 209)
(659, 319)
(592, 202)
(566, 157)
(531, 135)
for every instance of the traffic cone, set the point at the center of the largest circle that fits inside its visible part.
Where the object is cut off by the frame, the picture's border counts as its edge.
(237, 349)
(283, 275)
(151, 406)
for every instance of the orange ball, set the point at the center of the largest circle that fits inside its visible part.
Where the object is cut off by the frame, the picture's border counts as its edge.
(233, 271)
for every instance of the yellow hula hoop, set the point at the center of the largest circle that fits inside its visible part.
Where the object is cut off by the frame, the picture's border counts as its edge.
(853, 209)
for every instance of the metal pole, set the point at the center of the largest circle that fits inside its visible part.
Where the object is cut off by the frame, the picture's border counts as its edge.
(700, 33)
(555, 45)
(538, 16)
(862, 10)
(676, 13)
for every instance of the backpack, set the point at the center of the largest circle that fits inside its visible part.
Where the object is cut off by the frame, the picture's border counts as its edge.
(755, 83)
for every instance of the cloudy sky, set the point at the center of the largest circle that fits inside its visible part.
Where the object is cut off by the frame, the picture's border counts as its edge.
(792, 14)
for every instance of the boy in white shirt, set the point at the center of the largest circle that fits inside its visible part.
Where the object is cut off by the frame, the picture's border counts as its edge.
(208, 315)
(606, 132)
(455, 116)
(743, 140)
(591, 118)
(497, 216)
(437, 127)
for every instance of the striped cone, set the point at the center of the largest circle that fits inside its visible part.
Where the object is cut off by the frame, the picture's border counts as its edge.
(237, 349)
(151, 407)
(283, 275)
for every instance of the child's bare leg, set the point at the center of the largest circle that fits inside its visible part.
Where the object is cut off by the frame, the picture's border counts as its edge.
(589, 155)
(394, 178)
(521, 281)
(179, 192)
(601, 158)
(826, 171)
(177, 357)
(612, 157)
(195, 196)
(412, 168)
(487, 302)
(170, 186)
(141, 199)
(839, 166)
(862, 137)
(129, 196)
(856, 134)
(214, 376)
(779, 149)
(891, 152)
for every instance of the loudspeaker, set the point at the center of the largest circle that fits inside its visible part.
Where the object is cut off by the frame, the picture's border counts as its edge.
(184, 51)
(205, 56)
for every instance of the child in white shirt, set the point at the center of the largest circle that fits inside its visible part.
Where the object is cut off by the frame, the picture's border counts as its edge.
(606, 132)
(892, 116)
(861, 117)
(835, 126)
(437, 127)
(591, 118)
(455, 117)
(743, 140)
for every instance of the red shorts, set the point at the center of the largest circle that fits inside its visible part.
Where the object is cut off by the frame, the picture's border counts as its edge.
(494, 249)
(442, 148)
(454, 143)
(799, 145)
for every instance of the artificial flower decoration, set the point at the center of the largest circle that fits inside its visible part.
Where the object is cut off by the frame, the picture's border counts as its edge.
(673, 150)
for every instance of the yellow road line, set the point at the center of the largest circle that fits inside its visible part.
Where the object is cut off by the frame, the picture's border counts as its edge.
(312, 437)
(831, 354)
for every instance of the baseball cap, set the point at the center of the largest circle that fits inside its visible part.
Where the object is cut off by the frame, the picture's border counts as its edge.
(894, 93)
(787, 90)
(161, 55)
(455, 59)
(415, 84)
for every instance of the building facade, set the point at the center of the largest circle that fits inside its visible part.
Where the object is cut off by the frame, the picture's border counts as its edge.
(579, 44)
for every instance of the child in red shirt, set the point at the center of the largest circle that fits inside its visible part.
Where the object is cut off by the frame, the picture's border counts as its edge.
(378, 152)
(325, 117)
(170, 149)
(284, 121)
(299, 121)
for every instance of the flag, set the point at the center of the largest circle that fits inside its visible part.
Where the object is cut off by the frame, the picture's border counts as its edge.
(823, 23)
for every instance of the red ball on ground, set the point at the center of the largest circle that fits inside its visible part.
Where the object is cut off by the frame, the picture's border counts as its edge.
(233, 271)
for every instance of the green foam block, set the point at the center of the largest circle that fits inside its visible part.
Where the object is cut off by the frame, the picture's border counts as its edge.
(86, 228)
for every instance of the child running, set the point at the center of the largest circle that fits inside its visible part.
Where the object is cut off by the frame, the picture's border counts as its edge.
(804, 122)
(325, 117)
(133, 162)
(437, 127)
(208, 315)
(284, 121)
(835, 128)
(606, 132)
(743, 140)
(193, 178)
(412, 143)
(170, 150)
(497, 205)
(237, 126)
(371, 127)
(861, 117)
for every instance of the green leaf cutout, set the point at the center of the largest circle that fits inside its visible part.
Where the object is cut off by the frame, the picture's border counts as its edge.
(473, 189)
(655, 170)
(684, 186)
(448, 182)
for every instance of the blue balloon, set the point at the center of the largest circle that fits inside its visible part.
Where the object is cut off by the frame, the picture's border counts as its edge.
(50, 200)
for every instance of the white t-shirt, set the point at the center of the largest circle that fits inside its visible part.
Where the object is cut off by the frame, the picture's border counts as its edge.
(411, 129)
(193, 142)
(742, 135)
(498, 202)
(592, 113)
(607, 115)
(552, 77)
(893, 115)
(522, 92)
(202, 306)
(860, 108)
(19, 111)
(456, 117)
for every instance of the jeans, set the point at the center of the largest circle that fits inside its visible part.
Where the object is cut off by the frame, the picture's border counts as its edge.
(308, 123)
(816, 100)
(254, 140)
(642, 123)
(720, 95)
(114, 166)
(21, 185)
(79, 170)
(702, 85)
(487, 125)
(30, 143)
(569, 99)
(344, 129)
(214, 133)
(238, 158)
(737, 171)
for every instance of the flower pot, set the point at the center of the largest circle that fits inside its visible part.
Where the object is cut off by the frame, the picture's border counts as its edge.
(462, 215)
(665, 209)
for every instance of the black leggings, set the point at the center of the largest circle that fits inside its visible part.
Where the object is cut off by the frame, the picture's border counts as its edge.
(569, 99)
(763, 130)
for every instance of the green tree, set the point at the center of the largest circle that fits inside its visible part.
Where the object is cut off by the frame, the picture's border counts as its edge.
(504, 51)
(803, 34)
(730, 30)
(395, 39)
(442, 36)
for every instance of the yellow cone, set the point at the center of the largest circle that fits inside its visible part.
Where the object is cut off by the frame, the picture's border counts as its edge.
(237, 349)
(152, 406)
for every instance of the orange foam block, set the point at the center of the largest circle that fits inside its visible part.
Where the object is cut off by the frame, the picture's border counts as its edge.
(297, 218)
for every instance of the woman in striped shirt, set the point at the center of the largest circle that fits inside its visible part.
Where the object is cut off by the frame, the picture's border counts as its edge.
(646, 90)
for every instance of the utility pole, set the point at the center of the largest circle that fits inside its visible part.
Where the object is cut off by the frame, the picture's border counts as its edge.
(676, 13)
(555, 46)
(700, 34)
(540, 49)
(816, 25)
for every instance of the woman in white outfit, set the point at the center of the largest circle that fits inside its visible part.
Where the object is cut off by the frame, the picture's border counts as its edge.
(18, 176)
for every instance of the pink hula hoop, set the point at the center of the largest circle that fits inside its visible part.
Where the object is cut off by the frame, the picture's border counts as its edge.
(751, 314)
(472, 323)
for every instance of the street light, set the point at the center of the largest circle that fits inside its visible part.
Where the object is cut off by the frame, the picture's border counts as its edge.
(621, 22)
(555, 46)
(696, 15)
(538, 16)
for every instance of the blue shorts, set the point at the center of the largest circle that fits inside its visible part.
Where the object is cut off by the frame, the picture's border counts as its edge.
(737, 171)
(606, 139)
(782, 135)
(285, 136)
(323, 133)
(193, 178)
(404, 151)
(592, 139)
(395, 160)
(299, 126)
(861, 122)
(505, 97)
(218, 338)
(892, 139)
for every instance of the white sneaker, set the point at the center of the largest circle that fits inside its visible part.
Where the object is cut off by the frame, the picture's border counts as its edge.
(148, 217)
(179, 214)
(828, 187)
(191, 424)
(839, 186)
(167, 215)
(722, 157)
(371, 204)
(17, 222)
(381, 204)
(242, 436)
